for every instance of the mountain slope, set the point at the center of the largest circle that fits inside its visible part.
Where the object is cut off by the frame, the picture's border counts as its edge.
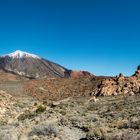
(30, 65)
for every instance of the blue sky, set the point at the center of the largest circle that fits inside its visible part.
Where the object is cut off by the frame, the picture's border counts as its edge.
(100, 36)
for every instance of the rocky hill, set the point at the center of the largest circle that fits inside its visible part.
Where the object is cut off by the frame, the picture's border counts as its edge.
(77, 74)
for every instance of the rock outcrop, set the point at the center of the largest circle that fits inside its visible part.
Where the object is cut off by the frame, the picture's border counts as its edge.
(119, 85)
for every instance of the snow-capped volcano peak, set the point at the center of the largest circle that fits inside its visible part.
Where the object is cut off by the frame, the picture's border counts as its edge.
(22, 54)
(30, 65)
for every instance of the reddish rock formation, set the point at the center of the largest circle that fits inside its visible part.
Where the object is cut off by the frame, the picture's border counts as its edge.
(77, 74)
(120, 85)
(61, 88)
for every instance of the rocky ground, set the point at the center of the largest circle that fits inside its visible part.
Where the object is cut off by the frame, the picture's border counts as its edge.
(86, 108)
(58, 88)
(109, 118)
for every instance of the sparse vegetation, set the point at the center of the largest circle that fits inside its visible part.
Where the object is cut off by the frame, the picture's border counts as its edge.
(44, 130)
(111, 118)
(26, 115)
(74, 118)
(40, 109)
(96, 133)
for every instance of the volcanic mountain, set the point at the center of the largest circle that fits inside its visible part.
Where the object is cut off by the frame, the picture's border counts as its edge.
(30, 65)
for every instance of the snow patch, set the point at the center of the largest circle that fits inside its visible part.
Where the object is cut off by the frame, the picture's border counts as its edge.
(21, 54)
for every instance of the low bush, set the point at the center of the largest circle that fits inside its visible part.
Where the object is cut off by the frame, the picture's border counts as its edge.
(40, 109)
(96, 134)
(44, 130)
(26, 115)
